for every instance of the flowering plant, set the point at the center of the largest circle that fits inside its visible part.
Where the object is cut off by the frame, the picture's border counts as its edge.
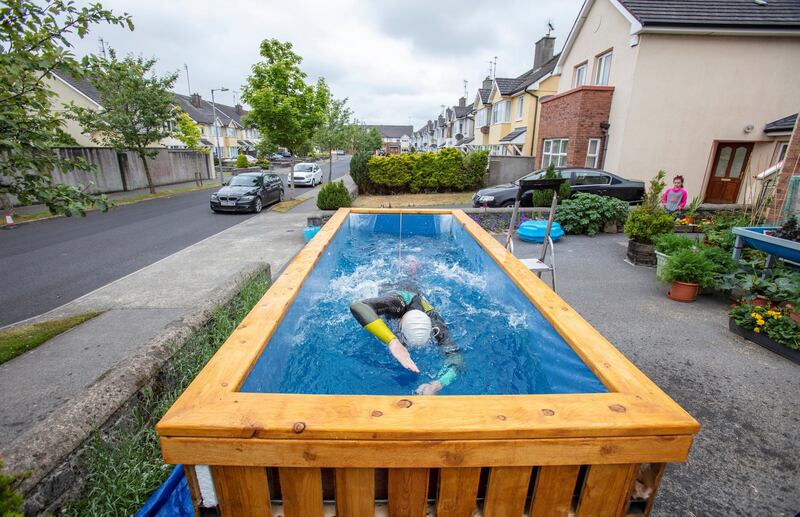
(769, 321)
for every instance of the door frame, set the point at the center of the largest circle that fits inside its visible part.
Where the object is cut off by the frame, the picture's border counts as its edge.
(716, 149)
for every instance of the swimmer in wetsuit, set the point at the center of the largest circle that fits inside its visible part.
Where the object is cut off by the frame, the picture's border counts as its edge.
(418, 320)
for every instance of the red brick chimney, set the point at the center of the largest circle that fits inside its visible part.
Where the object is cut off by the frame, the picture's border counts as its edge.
(239, 109)
(196, 100)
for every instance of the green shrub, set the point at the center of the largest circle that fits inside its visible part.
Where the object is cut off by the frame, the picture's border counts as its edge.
(669, 243)
(690, 266)
(360, 172)
(392, 172)
(587, 213)
(545, 197)
(449, 163)
(644, 224)
(719, 231)
(425, 173)
(333, 196)
(475, 164)
(10, 499)
(241, 162)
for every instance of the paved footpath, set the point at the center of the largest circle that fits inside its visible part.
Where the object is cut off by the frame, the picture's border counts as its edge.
(140, 306)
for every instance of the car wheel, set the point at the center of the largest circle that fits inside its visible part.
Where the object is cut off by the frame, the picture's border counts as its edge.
(258, 206)
(280, 198)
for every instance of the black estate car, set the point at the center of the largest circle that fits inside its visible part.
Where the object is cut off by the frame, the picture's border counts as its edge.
(592, 181)
(248, 192)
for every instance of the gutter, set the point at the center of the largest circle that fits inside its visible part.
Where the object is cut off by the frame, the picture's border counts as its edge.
(535, 119)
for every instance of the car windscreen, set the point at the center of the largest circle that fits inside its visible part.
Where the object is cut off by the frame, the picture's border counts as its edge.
(302, 168)
(540, 174)
(244, 181)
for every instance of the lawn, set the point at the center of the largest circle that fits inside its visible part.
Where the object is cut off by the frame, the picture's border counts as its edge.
(18, 340)
(413, 200)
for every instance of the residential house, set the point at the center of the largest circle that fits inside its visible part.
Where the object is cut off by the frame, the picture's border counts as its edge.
(462, 123)
(513, 118)
(234, 137)
(483, 115)
(396, 139)
(697, 88)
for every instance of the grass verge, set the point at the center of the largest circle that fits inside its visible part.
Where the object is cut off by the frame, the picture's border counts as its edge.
(18, 340)
(285, 206)
(123, 469)
(35, 216)
(409, 200)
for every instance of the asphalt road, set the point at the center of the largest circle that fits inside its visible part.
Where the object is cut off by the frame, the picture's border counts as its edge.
(48, 263)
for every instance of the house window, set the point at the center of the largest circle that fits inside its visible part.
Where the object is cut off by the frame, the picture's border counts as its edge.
(211, 131)
(481, 119)
(593, 153)
(603, 69)
(520, 104)
(231, 132)
(579, 76)
(234, 151)
(554, 151)
(780, 152)
(500, 112)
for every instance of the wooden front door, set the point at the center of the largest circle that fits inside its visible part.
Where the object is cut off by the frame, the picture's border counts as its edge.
(729, 166)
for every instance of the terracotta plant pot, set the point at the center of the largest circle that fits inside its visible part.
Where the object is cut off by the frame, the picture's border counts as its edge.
(760, 300)
(689, 219)
(792, 311)
(683, 292)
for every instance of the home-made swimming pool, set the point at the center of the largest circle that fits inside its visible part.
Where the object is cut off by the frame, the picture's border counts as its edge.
(508, 347)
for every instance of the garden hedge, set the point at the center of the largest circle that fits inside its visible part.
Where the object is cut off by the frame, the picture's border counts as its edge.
(447, 170)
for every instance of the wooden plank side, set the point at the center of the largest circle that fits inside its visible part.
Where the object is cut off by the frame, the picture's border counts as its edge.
(555, 486)
(654, 484)
(506, 491)
(433, 454)
(194, 488)
(241, 491)
(408, 492)
(355, 492)
(458, 492)
(301, 489)
(606, 490)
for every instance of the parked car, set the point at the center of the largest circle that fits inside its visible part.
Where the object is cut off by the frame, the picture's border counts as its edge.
(250, 159)
(306, 174)
(248, 192)
(581, 179)
(277, 157)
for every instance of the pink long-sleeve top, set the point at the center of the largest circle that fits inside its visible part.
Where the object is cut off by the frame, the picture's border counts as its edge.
(674, 199)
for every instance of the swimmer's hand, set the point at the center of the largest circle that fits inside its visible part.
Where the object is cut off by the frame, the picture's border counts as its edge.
(401, 354)
(429, 388)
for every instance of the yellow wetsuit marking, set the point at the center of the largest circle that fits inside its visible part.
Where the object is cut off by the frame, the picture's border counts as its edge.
(425, 305)
(380, 330)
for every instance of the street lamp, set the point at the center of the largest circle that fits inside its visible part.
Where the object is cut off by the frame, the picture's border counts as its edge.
(216, 130)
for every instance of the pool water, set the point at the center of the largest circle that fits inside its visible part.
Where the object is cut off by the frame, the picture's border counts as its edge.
(507, 345)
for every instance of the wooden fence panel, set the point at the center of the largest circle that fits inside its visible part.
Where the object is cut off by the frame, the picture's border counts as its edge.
(555, 486)
(301, 489)
(506, 491)
(242, 491)
(458, 492)
(408, 492)
(355, 492)
(606, 490)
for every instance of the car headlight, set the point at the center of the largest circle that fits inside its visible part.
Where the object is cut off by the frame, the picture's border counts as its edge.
(485, 199)
(247, 198)
(214, 197)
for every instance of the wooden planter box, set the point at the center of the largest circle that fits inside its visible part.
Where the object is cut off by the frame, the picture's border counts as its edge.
(766, 342)
(578, 453)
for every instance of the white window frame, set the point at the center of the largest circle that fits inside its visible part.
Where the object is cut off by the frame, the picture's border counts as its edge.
(501, 109)
(603, 68)
(481, 118)
(592, 159)
(579, 75)
(781, 148)
(230, 132)
(554, 150)
(520, 106)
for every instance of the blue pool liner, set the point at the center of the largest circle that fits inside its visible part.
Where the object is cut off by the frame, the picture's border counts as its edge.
(533, 231)
(310, 231)
(171, 499)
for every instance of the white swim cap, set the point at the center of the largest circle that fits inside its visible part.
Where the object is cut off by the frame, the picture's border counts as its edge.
(415, 328)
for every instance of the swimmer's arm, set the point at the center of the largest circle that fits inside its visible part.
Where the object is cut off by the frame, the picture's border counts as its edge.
(367, 312)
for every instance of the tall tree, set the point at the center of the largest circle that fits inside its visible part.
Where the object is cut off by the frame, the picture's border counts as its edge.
(365, 139)
(335, 130)
(283, 106)
(34, 41)
(136, 106)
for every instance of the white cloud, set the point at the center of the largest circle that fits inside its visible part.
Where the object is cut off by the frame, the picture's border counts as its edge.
(397, 63)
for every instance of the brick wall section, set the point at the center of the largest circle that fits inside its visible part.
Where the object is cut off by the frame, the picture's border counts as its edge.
(575, 114)
(791, 167)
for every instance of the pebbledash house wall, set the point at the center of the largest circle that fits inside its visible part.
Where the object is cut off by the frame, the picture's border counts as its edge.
(576, 115)
(677, 96)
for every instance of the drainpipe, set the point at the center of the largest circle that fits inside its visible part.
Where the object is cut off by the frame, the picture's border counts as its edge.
(535, 118)
(604, 127)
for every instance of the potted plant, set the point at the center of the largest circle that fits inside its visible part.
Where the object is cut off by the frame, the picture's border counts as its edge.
(688, 270)
(691, 210)
(666, 245)
(645, 222)
(768, 327)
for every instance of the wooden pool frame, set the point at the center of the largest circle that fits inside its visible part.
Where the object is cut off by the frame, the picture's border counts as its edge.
(579, 451)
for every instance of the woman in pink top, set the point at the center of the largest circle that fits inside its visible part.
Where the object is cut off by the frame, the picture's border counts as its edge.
(675, 198)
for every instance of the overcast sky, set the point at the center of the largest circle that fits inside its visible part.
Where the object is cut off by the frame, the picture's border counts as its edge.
(396, 62)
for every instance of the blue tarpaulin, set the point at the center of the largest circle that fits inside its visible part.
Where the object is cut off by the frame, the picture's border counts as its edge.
(172, 499)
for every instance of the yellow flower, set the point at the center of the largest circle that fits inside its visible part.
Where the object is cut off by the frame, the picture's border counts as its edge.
(756, 330)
